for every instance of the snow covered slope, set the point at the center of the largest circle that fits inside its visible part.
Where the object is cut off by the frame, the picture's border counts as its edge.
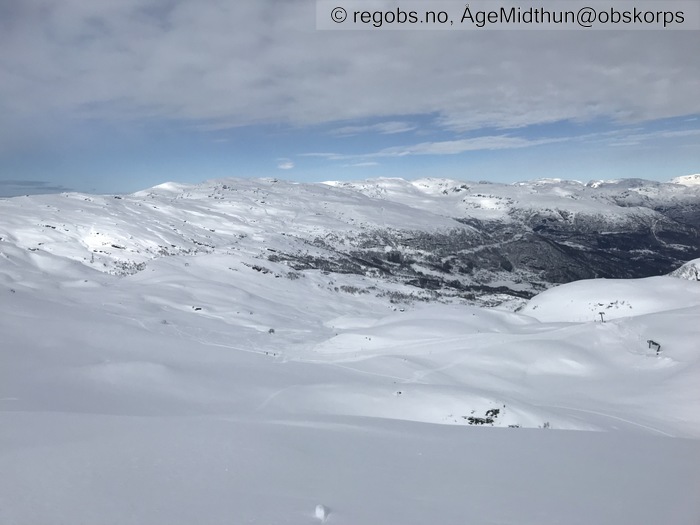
(687, 180)
(482, 242)
(609, 202)
(584, 301)
(163, 359)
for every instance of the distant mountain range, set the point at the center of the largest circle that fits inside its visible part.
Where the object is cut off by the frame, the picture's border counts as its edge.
(479, 241)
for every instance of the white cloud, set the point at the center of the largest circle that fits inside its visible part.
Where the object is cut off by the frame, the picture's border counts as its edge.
(328, 155)
(625, 137)
(452, 147)
(447, 147)
(383, 128)
(285, 164)
(218, 63)
(634, 139)
(361, 165)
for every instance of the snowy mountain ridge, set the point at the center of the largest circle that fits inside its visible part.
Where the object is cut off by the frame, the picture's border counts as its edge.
(687, 180)
(465, 240)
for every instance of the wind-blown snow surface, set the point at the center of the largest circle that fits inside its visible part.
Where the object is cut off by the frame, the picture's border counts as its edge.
(212, 388)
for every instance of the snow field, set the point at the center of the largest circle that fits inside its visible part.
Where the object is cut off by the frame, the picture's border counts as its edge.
(215, 386)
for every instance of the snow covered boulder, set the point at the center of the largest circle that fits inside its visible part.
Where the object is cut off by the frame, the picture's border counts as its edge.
(322, 512)
(690, 271)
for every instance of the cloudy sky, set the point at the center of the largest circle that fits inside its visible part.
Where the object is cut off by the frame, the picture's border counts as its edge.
(115, 96)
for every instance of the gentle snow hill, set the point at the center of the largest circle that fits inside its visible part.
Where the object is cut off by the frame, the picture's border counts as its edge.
(582, 301)
(120, 402)
(687, 180)
(690, 271)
